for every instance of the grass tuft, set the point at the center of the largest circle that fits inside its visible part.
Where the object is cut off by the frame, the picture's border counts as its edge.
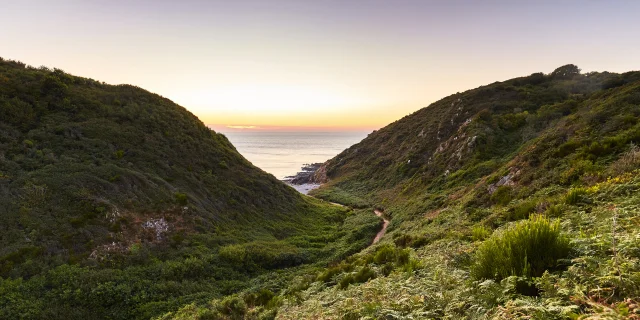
(527, 249)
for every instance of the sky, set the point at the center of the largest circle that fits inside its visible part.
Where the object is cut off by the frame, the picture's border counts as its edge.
(316, 64)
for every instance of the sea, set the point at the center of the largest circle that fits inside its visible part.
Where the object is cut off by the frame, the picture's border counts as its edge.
(284, 153)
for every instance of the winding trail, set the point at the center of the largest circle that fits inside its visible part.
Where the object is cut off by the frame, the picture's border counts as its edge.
(382, 231)
(385, 223)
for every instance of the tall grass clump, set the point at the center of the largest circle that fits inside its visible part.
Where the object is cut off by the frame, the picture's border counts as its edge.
(574, 196)
(526, 249)
(480, 232)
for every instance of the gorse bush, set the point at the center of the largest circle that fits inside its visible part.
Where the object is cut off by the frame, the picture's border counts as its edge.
(480, 232)
(527, 249)
(574, 196)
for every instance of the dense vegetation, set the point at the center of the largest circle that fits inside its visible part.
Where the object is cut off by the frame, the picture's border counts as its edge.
(116, 203)
(519, 199)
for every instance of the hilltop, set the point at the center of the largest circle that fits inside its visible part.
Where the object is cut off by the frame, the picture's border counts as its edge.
(117, 203)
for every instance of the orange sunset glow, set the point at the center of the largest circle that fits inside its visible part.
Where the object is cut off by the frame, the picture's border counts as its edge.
(334, 65)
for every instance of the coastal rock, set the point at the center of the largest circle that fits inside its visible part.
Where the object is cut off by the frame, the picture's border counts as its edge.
(307, 175)
(320, 176)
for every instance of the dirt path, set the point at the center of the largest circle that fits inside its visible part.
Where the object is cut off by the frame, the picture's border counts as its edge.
(384, 226)
(385, 223)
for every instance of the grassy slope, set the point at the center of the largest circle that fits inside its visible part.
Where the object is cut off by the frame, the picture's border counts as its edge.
(565, 148)
(118, 203)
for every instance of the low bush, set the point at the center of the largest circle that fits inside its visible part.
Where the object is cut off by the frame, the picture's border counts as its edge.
(527, 249)
(260, 298)
(574, 196)
(405, 240)
(363, 275)
(522, 210)
(480, 232)
(502, 195)
(628, 161)
(233, 307)
(181, 198)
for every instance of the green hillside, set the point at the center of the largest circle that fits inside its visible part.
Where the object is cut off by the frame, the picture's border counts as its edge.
(515, 200)
(117, 203)
(519, 199)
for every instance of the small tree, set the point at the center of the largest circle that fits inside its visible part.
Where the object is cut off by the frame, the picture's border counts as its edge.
(566, 72)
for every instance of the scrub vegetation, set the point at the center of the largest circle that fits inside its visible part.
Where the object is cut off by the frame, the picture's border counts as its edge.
(117, 203)
(515, 200)
(519, 199)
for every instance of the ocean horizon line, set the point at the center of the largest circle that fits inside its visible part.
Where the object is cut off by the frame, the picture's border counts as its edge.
(268, 128)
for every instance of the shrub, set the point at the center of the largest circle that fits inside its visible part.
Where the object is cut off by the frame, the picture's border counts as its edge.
(627, 162)
(574, 196)
(331, 272)
(181, 198)
(118, 154)
(385, 254)
(363, 275)
(480, 232)
(259, 298)
(502, 195)
(554, 211)
(233, 306)
(402, 240)
(566, 72)
(522, 210)
(234, 253)
(346, 281)
(613, 82)
(527, 249)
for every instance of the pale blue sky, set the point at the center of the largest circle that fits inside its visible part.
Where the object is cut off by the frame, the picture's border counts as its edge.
(317, 63)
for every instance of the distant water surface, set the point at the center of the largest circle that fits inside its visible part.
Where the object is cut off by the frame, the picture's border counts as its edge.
(283, 153)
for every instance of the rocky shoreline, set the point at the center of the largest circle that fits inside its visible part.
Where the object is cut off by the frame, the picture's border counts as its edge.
(311, 176)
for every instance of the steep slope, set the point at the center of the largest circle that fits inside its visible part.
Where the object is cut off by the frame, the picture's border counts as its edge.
(82, 160)
(464, 183)
(467, 136)
(113, 187)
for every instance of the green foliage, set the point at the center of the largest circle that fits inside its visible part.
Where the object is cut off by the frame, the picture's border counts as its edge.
(480, 232)
(527, 249)
(87, 168)
(118, 154)
(91, 220)
(554, 211)
(522, 210)
(338, 195)
(233, 307)
(260, 298)
(574, 196)
(538, 135)
(566, 72)
(386, 257)
(364, 274)
(502, 195)
(181, 198)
